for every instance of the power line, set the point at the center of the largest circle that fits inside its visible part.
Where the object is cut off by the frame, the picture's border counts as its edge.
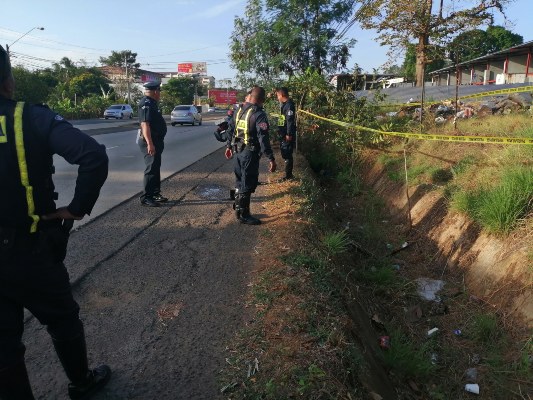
(184, 51)
(350, 23)
(40, 39)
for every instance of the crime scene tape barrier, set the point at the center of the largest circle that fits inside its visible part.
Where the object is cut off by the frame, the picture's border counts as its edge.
(498, 92)
(423, 136)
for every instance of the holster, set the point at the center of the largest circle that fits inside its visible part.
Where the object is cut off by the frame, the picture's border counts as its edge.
(239, 146)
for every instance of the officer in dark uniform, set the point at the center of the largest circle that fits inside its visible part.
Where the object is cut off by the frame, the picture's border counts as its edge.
(248, 137)
(34, 235)
(152, 136)
(286, 129)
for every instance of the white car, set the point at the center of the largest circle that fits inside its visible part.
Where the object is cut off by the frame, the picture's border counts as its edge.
(211, 109)
(118, 111)
(185, 115)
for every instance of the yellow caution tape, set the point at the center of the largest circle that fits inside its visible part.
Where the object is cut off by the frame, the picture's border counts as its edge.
(424, 136)
(498, 92)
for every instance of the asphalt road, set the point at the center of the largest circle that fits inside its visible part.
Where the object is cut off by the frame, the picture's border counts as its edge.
(183, 146)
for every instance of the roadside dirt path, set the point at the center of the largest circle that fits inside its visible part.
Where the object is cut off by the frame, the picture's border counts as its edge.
(161, 290)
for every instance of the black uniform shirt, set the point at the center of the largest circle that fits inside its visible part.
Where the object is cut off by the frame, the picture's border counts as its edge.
(258, 129)
(148, 112)
(76, 148)
(54, 135)
(288, 110)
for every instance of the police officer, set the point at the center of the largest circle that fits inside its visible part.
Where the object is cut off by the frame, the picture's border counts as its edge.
(34, 235)
(248, 137)
(152, 135)
(286, 129)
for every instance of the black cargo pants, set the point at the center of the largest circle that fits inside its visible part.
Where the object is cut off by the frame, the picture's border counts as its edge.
(246, 170)
(152, 170)
(33, 276)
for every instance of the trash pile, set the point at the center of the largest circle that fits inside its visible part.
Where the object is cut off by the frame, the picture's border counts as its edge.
(446, 111)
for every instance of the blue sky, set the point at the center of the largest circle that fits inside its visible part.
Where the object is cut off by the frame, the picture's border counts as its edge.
(163, 33)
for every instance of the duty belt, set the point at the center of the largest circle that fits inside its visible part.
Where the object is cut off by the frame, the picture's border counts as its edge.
(239, 146)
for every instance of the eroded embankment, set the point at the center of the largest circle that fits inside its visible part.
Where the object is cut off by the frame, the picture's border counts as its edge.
(497, 271)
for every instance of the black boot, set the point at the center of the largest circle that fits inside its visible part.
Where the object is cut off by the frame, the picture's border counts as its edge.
(73, 356)
(14, 383)
(245, 217)
(288, 169)
(236, 205)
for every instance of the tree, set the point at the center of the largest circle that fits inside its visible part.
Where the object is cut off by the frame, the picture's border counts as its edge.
(90, 82)
(409, 63)
(124, 58)
(401, 22)
(178, 91)
(30, 87)
(287, 37)
(476, 43)
(501, 38)
(393, 70)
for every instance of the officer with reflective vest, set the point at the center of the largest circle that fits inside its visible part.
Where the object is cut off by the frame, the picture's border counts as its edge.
(151, 142)
(249, 138)
(34, 235)
(286, 129)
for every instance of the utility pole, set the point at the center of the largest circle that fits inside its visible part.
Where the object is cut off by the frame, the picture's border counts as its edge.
(228, 82)
(127, 78)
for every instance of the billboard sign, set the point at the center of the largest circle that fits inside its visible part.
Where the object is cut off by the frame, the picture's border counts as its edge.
(223, 96)
(192, 68)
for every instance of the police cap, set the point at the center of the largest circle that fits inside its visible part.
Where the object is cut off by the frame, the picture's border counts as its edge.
(152, 85)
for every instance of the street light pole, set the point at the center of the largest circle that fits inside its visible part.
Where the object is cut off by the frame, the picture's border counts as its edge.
(40, 28)
(228, 82)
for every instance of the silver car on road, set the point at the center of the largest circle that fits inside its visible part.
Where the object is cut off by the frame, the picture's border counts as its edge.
(118, 111)
(185, 115)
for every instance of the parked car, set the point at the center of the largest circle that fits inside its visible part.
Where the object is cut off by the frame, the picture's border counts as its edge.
(119, 111)
(185, 115)
(211, 109)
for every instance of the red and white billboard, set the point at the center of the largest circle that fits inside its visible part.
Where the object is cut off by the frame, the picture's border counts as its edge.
(192, 68)
(223, 96)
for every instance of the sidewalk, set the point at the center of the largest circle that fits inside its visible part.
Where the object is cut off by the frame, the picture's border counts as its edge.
(161, 289)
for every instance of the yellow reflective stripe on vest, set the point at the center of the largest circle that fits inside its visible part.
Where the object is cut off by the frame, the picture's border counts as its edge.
(3, 129)
(281, 120)
(23, 165)
(242, 125)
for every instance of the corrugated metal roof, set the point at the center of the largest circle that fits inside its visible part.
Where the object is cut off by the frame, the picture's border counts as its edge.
(515, 50)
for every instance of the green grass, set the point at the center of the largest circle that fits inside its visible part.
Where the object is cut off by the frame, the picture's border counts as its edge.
(336, 243)
(310, 192)
(485, 328)
(350, 183)
(310, 380)
(441, 175)
(498, 209)
(380, 275)
(463, 165)
(393, 166)
(320, 272)
(408, 359)
(263, 292)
